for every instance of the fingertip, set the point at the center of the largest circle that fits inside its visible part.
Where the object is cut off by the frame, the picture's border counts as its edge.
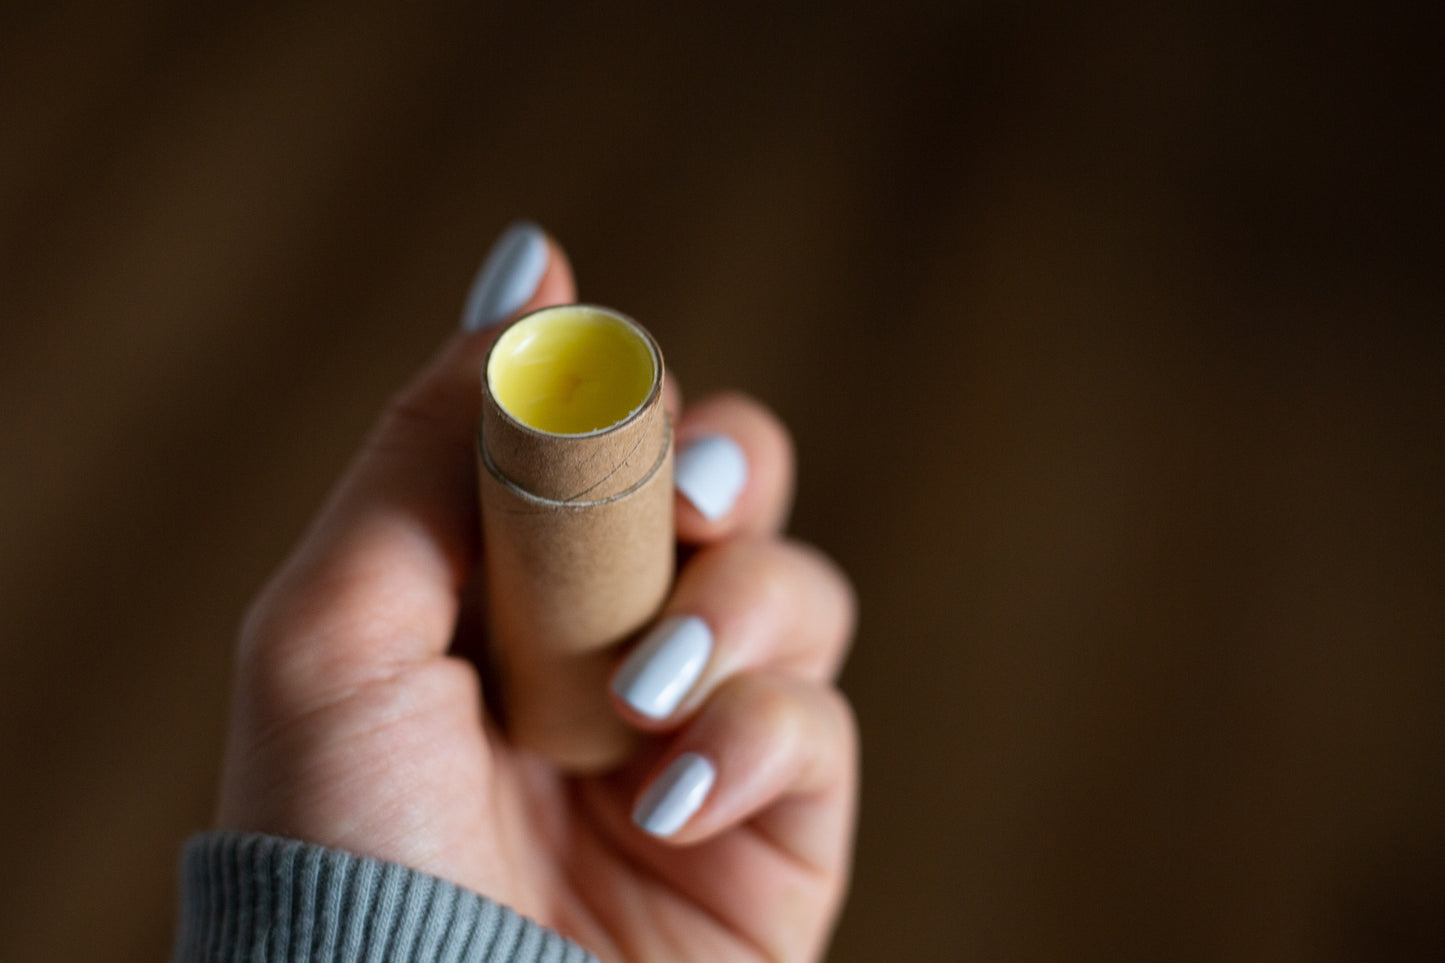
(552, 283)
(525, 269)
(733, 471)
(711, 473)
(655, 679)
(674, 797)
(558, 284)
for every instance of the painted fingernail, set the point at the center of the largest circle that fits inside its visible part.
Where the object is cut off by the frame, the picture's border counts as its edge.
(508, 277)
(676, 795)
(662, 669)
(711, 473)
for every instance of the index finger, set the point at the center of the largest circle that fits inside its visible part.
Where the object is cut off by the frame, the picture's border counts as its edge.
(734, 470)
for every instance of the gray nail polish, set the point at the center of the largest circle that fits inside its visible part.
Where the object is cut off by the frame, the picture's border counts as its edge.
(508, 277)
(675, 796)
(711, 473)
(659, 673)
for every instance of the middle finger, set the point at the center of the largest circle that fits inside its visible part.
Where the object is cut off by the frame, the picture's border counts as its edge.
(738, 605)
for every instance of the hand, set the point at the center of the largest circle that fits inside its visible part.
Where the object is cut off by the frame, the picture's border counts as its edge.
(359, 723)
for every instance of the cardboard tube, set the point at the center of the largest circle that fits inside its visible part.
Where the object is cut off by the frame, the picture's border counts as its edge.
(575, 453)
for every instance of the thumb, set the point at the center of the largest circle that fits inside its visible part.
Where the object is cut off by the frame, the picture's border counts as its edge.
(375, 582)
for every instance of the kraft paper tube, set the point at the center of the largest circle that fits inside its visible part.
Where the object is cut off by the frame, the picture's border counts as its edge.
(575, 453)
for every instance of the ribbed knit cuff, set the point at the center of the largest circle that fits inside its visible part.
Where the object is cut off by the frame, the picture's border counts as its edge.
(263, 899)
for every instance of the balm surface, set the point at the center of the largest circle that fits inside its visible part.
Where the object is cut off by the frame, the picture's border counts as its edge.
(571, 370)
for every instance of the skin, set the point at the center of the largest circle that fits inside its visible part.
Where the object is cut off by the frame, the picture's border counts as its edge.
(360, 723)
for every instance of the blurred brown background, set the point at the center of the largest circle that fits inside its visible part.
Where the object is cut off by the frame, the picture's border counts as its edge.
(1112, 342)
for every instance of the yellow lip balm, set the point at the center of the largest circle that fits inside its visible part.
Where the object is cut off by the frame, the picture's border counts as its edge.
(571, 371)
(575, 458)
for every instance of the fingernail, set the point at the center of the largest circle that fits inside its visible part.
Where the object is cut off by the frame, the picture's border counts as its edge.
(508, 277)
(675, 796)
(662, 669)
(711, 473)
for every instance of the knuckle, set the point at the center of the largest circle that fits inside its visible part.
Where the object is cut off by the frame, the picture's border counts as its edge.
(771, 433)
(739, 568)
(773, 568)
(774, 588)
(830, 578)
(419, 410)
(843, 717)
(300, 635)
(760, 578)
(771, 704)
(273, 614)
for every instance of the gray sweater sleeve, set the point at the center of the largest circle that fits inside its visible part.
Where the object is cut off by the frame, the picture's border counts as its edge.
(263, 899)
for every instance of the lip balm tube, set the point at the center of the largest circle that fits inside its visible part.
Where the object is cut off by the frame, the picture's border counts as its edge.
(575, 471)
